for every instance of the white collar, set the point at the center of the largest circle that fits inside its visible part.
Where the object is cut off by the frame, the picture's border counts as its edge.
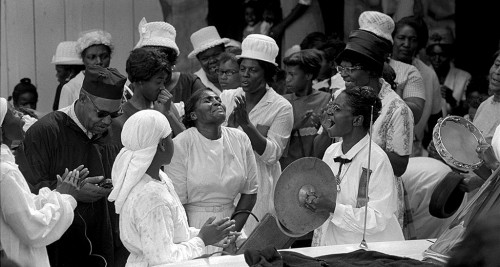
(70, 111)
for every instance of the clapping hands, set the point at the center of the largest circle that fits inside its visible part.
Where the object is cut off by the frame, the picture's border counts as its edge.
(222, 230)
(239, 116)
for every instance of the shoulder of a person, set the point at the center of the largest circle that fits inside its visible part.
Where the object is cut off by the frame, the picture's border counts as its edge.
(378, 154)
(185, 136)
(152, 195)
(230, 131)
(52, 120)
(331, 148)
(279, 99)
(75, 81)
(483, 104)
(187, 76)
(322, 94)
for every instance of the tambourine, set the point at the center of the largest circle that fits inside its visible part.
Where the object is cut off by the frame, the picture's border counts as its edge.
(456, 140)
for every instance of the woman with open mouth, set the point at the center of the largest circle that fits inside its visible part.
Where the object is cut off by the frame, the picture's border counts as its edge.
(352, 160)
(213, 165)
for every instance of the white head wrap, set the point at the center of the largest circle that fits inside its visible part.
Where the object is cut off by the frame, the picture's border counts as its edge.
(3, 109)
(141, 134)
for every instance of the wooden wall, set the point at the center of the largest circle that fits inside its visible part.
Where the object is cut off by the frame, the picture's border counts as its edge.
(32, 29)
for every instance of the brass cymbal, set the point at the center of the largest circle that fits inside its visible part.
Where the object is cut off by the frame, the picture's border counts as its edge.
(301, 178)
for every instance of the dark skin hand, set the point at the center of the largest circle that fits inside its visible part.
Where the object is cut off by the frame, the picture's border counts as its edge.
(239, 117)
(164, 105)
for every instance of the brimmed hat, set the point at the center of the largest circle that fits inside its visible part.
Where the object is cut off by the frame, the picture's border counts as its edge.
(204, 39)
(157, 33)
(66, 54)
(377, 23)
(93, 37)
(104, 82)
(447, 196)
(260, 47)
(365, 44)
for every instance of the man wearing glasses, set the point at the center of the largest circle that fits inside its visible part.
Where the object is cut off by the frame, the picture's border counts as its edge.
(69, 138)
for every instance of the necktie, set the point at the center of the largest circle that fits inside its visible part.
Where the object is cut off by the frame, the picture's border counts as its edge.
(342, 161)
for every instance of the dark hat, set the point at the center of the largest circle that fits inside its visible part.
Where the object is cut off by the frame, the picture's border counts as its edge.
(367, 45)
(446, 197)
(103, 82)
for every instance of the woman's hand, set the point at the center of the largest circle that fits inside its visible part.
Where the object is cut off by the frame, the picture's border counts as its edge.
(317, 203)
(212, 232)
(163, 102)
(240, 111)
(469, 184)
(486, 153)
(68, 183)
(231, 120)
(303, 120)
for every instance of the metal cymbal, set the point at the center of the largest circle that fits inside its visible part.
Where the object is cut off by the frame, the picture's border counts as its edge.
(302, 178)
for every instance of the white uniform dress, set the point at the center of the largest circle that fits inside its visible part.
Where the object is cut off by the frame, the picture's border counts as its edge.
(154, 227)
(345, 225)
(208, 175)
(29, 222)
(273, 117)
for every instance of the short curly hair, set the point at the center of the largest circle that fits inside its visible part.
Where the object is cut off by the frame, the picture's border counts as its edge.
(142, 64)
(169, 52)
(361, 98)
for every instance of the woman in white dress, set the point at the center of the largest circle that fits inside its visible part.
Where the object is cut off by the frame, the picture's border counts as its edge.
(153, 223)
(349, 118)
(263, 115)
(29, 222)
(213, 165)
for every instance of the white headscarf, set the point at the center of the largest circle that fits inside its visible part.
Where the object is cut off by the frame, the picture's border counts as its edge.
(141, 134)
(3, 109)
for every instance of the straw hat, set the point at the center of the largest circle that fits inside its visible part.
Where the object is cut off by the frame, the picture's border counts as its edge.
(260, 47)
(377, 23)
(204, 39)
(157, 33)
(66, 54)
(93, 37)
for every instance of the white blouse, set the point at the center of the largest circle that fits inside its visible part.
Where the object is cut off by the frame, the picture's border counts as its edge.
(273, 117)
(346, 224)
(154, 227)
(214, 172)
(29, 222)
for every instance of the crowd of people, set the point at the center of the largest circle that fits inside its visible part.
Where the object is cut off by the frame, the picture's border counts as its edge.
(163, 166)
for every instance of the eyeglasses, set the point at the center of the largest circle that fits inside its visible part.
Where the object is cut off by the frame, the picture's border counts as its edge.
(228, 73)
(348, 70)
(103, 113)
(334, 108)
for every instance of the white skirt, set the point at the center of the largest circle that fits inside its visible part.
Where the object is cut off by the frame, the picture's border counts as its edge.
(198, 215)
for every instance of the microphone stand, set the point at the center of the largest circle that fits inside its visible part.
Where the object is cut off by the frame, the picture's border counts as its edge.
(363, 244)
